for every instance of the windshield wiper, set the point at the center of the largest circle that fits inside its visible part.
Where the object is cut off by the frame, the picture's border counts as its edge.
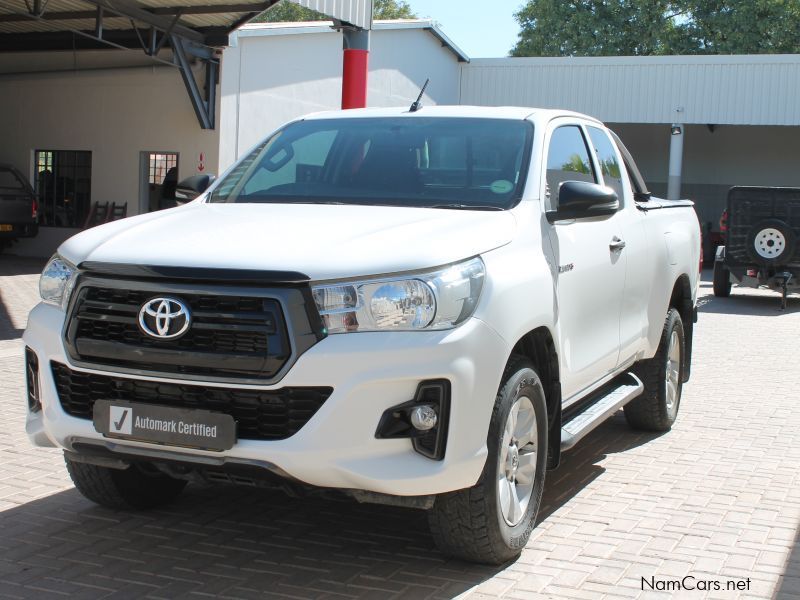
(466, 206)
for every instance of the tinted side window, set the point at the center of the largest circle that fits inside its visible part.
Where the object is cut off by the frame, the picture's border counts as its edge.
(567, 160)
(608, 160)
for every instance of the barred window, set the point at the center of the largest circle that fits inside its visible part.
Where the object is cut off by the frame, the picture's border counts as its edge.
(63, 185)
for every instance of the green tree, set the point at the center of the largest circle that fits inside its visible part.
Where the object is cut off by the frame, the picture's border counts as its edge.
(284, 12)
(651, 27)
(745, 27)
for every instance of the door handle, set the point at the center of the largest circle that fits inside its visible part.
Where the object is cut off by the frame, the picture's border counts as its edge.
(616, 244)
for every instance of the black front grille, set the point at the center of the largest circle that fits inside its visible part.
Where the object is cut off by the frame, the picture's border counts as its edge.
(259, 415)
(231, 335)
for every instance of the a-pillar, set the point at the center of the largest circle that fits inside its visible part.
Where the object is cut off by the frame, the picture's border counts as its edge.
(675, 161)
(355, 67)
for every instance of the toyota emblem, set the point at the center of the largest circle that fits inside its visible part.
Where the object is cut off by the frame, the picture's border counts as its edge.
(164, 318)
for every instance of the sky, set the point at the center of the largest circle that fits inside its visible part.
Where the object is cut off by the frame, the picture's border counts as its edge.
(481, 29)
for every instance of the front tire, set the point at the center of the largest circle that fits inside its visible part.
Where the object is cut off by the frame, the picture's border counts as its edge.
(131, 488)
(657, 408)
(491, 522)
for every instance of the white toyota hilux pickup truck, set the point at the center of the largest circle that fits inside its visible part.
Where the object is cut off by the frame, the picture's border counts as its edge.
(421, 308)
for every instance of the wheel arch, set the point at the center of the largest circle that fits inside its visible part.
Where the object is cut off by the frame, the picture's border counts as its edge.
(681, 300)
(538, 345)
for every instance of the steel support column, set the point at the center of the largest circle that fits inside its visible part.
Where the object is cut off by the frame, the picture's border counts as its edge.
(675, 161)
(355, 66)
(204, 101)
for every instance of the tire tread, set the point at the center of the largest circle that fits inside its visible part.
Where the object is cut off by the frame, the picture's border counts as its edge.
(459, 520)
(648, 412)
(122, 489)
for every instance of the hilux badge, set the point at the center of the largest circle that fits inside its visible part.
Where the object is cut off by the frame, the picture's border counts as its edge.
(164, 318)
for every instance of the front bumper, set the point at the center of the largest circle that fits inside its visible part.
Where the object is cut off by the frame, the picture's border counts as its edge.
(337, 448)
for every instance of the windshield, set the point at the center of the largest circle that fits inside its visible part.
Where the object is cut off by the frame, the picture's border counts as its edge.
(397, 161)
(10, 181)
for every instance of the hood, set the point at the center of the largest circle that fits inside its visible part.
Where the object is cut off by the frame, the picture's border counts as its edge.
(321, 241)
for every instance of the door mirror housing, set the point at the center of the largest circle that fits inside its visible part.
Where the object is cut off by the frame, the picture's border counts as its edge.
(191, 187)
(583, 199)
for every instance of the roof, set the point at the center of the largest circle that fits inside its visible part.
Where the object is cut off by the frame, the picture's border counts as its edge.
(38, 24)
(354, 12)
(716, 90)
(444, 111)
(265, 29)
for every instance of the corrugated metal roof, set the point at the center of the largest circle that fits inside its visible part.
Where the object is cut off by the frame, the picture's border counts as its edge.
(264, 29)
(737, 90)
(355, 12)
(62, 15)
(215, 17)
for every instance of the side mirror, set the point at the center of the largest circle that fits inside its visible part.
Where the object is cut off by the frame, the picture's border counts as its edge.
(191, 187)
(582, 199)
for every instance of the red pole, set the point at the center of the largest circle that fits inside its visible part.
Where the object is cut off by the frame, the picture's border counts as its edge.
(355, 66)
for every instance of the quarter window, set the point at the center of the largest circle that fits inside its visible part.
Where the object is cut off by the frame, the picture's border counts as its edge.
(567, 160)
(608, 160)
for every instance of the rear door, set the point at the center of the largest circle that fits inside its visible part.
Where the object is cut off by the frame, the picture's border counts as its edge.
(629, 227)
(590, 275)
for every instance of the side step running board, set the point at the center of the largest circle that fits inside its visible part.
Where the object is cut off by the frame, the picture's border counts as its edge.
(581, 424)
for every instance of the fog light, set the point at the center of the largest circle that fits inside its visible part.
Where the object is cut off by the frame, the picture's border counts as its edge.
(423, 418)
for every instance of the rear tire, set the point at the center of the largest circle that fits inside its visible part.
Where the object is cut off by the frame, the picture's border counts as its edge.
(131, 488)
(722, 280)
(491, 522)
(657, 408)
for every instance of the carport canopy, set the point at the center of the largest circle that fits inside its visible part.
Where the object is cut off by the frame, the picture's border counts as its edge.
(174, 32)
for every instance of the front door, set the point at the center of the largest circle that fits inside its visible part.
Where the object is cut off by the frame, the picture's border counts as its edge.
(590, 274)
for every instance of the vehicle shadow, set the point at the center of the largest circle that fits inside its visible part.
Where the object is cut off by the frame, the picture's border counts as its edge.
(11, 266)
(7, 329)
(245, 542)
(579, 466)
(741, 302)
(18, 265)
(789, 586)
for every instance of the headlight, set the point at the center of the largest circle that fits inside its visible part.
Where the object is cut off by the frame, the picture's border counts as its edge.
(56, 281)
(439, 299)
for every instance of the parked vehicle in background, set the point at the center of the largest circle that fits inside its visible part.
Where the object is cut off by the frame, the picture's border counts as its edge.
(762, 241)
(18, 207)
(419, 308)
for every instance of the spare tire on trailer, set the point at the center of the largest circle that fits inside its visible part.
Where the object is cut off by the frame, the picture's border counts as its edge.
(771, 242)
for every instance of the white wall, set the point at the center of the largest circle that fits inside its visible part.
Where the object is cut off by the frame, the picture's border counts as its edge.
(113, 113)
(268, 80)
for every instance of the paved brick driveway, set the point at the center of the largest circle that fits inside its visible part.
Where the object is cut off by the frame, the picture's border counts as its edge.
(717, 498)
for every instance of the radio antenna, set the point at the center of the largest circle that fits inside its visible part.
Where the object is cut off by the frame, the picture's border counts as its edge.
(418, 103)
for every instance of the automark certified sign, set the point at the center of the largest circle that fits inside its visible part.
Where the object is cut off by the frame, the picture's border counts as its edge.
(190, 428)
(164, 318)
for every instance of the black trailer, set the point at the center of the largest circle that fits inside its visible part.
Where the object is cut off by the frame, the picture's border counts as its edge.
(762, 241)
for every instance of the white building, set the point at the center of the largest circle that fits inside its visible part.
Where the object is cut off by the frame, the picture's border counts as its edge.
(120, 124)
(275, 72)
